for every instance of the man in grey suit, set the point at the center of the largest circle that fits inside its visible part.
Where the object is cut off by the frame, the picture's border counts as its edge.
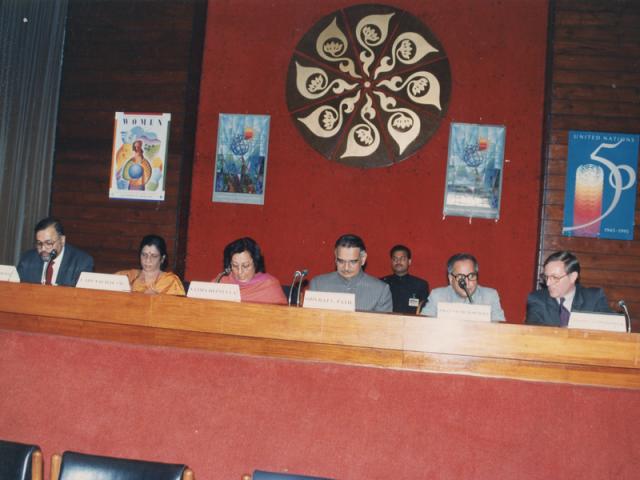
(462, 272)
(563, 293)
(53, 261)
(351, 255)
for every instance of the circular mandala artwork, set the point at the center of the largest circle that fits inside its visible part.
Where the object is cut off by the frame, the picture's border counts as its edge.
(368, 85)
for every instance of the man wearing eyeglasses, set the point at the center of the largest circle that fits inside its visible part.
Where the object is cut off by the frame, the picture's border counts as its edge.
(462, 271)
(53, 261)
(372, 295)
(563, 293)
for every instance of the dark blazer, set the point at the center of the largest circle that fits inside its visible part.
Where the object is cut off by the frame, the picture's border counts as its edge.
(74, 262)
(544, 310)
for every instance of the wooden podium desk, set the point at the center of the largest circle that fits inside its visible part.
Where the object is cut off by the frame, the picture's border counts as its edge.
(578, 357)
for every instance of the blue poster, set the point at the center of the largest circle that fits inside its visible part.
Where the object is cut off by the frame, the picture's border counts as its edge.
(474, 170)
(241, 158)
(600, 193)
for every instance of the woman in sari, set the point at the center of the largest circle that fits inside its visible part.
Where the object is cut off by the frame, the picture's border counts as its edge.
(151, 277)
(244, 266)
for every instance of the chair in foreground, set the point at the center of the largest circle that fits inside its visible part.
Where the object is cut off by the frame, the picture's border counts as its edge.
(262, 475)
(80, 466)
(19, 461)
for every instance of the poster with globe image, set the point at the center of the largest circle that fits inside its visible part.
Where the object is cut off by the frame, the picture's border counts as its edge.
(241, 159)
(139, 159)
(474, 170)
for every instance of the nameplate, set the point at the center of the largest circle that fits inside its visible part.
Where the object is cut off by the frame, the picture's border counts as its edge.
(104, 281)
(611, 322)
(330, 300)
(464, 311)
(228, 292)
(8, 273)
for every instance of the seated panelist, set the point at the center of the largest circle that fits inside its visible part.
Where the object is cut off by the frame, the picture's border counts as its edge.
(244, 266)
(562, 293)
(462, 272)
(151, 277)
(53, 261)
(371, 294)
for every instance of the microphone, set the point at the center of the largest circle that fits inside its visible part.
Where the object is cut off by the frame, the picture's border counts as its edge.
(223, 273)
(303, 274)
(462, 283)
(627, 317)
(296, 275)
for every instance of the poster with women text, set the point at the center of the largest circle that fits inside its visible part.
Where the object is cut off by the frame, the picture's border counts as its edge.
(601, 184)
(139, 158)
(473, 185)
(241, 159)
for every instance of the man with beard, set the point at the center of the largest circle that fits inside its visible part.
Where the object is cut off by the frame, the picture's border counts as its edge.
(53, 261)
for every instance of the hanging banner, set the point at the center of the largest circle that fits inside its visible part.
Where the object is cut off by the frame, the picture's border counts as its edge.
(601, 184)
(240, 174)
(474, 170)
(139, 158)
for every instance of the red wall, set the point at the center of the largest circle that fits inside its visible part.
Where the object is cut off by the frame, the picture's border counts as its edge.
(224, 415)
(497, 55)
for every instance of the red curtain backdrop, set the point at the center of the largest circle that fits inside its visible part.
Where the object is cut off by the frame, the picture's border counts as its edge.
(497, 55)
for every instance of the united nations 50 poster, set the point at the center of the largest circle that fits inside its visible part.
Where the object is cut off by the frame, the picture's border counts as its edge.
(600, 193)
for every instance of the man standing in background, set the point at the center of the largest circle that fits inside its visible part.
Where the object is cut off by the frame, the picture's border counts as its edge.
(409, 293)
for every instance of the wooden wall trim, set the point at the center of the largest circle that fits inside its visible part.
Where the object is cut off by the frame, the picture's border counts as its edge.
(393, 341)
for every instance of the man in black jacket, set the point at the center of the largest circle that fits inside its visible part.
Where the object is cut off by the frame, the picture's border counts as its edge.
(563, 293)
(53, 261)
(408, 292)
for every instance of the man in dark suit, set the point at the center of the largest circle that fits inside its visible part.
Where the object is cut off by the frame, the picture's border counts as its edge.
(53, 261)
(563, 294)
(408, 292)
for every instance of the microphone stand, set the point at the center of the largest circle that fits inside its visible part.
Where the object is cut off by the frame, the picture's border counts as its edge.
(303, 274)
(297, 274)
(462, 283)
(223, 273)
(622, 304)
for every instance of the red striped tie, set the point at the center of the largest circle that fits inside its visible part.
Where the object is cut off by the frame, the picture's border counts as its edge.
(49, 275)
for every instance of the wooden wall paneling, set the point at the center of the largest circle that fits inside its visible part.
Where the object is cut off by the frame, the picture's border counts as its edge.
(142, 56)
(595, 59)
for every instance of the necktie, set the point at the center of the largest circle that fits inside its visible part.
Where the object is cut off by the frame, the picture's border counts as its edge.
(49, 274)
(564, 314)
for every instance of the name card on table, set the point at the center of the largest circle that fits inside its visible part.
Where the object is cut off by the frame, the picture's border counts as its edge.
(8, 273)
(330, 300)
(464, 311)
(611, 322)
(214, 291)
(104, 281)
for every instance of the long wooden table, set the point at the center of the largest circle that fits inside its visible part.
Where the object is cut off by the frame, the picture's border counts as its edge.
(520, 352)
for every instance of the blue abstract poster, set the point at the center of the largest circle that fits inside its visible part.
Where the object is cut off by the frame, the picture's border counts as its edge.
(241, 159)
(601, 184)
(474, 170)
